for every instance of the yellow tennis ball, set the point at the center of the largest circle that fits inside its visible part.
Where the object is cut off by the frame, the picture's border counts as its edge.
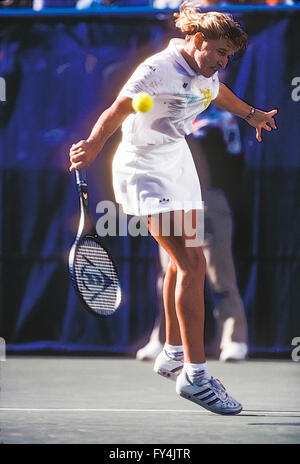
(142, 102)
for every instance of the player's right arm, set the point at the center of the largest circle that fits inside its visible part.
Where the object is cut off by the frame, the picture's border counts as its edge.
(227, 100)
(83, 153)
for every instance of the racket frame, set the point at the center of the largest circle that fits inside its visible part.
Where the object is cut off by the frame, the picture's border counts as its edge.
(87, 231)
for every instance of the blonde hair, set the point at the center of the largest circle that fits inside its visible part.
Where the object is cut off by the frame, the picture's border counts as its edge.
(212, 24)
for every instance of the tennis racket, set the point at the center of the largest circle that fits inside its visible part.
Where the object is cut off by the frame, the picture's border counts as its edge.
(92, 270)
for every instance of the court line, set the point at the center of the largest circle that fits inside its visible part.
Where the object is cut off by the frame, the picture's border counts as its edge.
(96, 410)
(245, 412)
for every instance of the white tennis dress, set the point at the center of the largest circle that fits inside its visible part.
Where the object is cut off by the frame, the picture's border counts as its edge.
(153, 168)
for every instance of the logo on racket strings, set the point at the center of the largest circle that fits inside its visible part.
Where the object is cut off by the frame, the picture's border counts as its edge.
(93, 279)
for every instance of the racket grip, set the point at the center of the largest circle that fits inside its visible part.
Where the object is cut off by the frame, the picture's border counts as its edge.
(80, 176)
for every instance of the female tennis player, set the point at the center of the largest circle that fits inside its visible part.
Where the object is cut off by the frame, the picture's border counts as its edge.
(154, 176)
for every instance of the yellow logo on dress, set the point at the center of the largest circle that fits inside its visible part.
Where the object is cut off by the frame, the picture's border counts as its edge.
(207, 94)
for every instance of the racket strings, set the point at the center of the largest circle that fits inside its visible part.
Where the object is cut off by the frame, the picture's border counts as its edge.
(96, 277)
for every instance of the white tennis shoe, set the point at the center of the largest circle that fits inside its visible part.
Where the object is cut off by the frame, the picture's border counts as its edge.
(168, 367)
(149, 351)
(210, 394)
(234, 351)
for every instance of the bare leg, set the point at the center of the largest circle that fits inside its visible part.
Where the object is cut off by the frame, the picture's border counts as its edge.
(173, 336)
(194, 382)
(188, 316)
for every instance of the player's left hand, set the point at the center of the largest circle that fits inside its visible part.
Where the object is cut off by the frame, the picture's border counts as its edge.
(263, 120)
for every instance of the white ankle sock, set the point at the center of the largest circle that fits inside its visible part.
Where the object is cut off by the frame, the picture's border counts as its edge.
(195, 371)
(174, 351)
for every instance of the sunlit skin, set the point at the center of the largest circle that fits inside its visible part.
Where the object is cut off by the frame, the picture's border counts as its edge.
(185, 276)
(207, 56)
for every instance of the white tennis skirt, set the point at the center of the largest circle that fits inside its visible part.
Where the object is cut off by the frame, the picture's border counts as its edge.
(156, 179)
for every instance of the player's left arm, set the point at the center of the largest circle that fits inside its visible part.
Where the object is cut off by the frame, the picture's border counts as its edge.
(227, 100)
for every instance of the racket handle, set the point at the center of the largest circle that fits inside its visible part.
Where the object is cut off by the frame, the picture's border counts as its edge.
(80, 176)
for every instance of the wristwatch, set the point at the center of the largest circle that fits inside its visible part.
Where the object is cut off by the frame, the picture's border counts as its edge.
(251, 114)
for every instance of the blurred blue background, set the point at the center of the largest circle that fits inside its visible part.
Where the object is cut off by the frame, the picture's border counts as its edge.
(61, 71)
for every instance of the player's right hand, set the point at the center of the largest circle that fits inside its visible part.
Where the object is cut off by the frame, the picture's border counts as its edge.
(82, 154)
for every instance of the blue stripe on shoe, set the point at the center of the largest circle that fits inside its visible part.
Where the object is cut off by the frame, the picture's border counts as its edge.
(208, 397)
(212, 402)
(202, 392)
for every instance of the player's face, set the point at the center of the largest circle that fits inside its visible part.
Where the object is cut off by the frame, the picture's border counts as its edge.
(212, 55)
